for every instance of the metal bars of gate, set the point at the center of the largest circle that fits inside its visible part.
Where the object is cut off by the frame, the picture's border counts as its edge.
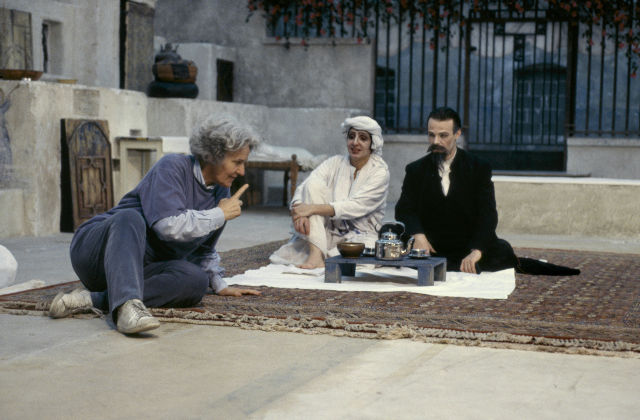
(610, 104)
(416, 71)
(584, 89)
(489, 77)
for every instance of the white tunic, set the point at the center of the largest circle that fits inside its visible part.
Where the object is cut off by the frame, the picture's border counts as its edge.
(359, 206)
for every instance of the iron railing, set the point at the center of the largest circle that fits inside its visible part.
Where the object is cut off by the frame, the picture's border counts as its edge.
(522, 81)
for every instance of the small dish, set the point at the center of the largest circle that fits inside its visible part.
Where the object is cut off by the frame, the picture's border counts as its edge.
(423, 257)
(418, 253)
(369, 252)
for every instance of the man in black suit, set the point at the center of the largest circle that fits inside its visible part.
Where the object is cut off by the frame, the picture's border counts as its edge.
(448, 204)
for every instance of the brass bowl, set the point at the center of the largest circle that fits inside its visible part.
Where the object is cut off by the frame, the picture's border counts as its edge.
(351, 249)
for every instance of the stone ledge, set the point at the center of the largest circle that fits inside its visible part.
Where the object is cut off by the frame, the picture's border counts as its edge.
(602, 142)
(603, 209)
(565, 180)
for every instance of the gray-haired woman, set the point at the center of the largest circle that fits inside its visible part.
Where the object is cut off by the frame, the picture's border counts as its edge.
(157, 246)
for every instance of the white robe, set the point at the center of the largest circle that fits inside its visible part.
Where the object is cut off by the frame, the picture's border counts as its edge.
(359, 206)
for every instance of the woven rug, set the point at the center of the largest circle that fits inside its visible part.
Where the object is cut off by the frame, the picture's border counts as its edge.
(597, 312)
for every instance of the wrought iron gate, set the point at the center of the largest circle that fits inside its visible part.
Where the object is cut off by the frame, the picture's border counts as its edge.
(515, 92)
(518, 80)
(522, 78)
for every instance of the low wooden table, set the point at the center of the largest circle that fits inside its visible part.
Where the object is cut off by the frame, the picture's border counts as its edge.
(429, 269)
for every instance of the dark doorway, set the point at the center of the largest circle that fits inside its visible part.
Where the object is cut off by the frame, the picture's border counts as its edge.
(224, 87)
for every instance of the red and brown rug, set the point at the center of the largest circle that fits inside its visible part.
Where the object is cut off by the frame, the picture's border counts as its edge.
(595, 312)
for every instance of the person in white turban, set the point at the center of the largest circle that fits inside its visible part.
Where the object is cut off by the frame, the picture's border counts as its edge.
(343, 199)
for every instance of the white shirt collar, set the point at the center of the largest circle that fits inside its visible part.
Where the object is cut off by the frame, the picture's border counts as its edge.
(444, 171)
(197, 172)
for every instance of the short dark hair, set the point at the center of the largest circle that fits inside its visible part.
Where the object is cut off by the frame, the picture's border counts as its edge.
(445, 113)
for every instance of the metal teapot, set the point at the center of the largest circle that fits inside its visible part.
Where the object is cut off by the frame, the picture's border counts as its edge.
(389, 247)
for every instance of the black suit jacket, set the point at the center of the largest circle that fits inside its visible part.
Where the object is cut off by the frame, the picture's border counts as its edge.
(465, 219)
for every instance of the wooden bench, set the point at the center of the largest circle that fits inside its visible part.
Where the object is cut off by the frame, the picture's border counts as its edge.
(290, 168)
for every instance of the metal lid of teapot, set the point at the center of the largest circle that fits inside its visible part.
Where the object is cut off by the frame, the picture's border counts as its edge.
(394, 227)
(388, 236)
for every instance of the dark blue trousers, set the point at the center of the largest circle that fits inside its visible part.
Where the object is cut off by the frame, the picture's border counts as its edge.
(108, 257)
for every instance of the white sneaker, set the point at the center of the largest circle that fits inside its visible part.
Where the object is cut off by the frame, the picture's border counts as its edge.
(134, 317)
(65, 304)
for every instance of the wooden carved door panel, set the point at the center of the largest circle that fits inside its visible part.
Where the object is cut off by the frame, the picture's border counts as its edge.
(87, 187)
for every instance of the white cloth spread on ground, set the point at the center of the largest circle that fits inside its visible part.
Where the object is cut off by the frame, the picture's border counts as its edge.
(358, 203)
(497, 285)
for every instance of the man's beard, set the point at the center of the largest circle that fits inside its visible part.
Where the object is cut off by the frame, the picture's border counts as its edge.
(438, 154)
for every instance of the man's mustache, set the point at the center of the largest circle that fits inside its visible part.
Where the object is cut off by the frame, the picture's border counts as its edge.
(436, 148)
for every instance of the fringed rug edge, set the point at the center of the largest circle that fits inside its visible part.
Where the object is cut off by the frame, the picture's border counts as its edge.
(342, 328)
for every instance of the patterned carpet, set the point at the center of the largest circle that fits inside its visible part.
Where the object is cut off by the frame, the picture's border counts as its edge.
(595, 312)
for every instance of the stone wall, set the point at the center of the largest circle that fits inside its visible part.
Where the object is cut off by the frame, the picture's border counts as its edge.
(315, 129)
(265, 72)
(83, 38)
(33, 128)
(32, 123)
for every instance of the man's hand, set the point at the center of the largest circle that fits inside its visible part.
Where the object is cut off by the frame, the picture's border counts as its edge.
(301, 225)
(234, 291)
(420, 242)
(232, 206)
(468, 264)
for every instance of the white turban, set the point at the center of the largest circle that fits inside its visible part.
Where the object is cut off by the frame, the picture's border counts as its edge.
(369, 125)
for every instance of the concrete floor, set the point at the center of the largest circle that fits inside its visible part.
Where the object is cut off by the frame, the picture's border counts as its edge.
(81, 368)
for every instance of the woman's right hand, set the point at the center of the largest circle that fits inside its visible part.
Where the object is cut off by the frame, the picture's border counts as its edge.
(301, 225)
(232, 206)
